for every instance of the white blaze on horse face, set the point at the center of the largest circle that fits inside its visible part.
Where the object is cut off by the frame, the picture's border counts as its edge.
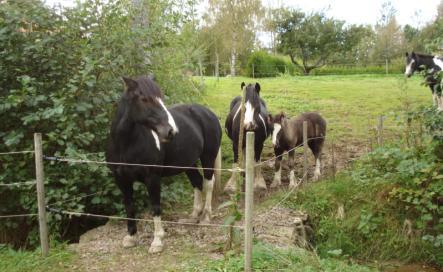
(170, 118)
(157, 140)
(249, 114)
(408, 71)
(277, 128)
(438, 62)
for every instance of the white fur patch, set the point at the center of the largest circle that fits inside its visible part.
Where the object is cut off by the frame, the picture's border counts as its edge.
(170, 118)
(197, 203)
(236, 113)
(249, 114)
(264, 124)
(317, 167)
(409, 68)
(438, 62)
(157, 140)
(277, 128)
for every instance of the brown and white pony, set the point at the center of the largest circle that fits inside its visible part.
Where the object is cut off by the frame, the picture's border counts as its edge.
(288, 134)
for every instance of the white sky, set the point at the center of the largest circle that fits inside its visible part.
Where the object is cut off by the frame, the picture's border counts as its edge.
(415, 13)
(352, 11)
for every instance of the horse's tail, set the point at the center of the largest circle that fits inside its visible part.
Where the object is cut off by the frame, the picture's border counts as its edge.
(217, 175)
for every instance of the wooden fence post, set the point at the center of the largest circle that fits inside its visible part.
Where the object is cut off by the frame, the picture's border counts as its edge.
(334, 166)
(249, 199)
(380, 131)
(40, 178)
(305, 151)
(253, 70)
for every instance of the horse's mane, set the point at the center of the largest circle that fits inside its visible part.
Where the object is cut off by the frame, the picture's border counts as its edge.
(148, 86)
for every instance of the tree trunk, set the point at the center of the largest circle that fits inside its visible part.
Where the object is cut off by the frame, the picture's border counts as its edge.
(217, 73)
(233, 61)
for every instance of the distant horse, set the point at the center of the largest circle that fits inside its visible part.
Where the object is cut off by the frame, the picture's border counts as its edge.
(432, 65)
(144, 131)
(255, 119)
(288, 133)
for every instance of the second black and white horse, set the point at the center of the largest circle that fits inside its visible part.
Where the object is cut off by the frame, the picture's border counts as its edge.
(145, 131)
(256, 120)
(432, 65)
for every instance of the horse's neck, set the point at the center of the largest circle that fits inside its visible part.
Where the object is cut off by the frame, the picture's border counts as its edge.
(289, 135)
(428, 62)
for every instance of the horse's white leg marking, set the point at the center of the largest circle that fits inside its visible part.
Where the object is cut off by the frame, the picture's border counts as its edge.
(170, 118)
(408, 71)
(259, 181)
(159, 233)
(130, 241)
(157, 140)
(249, 114)
(232, 182)
(317, 172)
(277, 178)
(198, 201)
(207, 212)
(438, 62)
(292, 179)
(277, 128)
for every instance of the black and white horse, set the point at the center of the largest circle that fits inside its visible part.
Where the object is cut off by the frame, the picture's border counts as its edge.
(255, 119)
(288, 134)
(144, 131)
(432, 65)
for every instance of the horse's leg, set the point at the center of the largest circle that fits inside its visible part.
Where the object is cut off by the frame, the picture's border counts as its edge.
(291, 164)
(231, 185)
(277, 176)
(197, 183)
(154, 190)
(208, 185)
(130, 240)
(316, 147)
(259, 181)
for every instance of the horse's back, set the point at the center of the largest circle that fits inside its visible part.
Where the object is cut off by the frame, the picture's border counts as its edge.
(316, 124)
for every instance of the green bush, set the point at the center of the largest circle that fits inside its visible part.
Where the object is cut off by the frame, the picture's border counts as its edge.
(262, 64)
(60, 75)
(391, 200)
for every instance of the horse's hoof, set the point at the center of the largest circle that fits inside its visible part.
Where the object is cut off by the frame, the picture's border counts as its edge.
(155, 249)
(205, 218)
(275, 184)
(129, 241)
(229, 189)
(191, 220)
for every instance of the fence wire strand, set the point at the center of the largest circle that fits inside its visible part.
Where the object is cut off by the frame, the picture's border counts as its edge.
(16, 184)
(68, 160)
(16, 152)
(138, 219)
(18, 215)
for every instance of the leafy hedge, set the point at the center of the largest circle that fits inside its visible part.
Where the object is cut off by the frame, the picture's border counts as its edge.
(60, 75)
(262, 64)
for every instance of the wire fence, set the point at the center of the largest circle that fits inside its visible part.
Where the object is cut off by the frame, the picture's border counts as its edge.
(16, 152)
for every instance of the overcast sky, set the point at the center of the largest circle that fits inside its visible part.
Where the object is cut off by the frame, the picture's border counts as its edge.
(352, 11)
(411, 12)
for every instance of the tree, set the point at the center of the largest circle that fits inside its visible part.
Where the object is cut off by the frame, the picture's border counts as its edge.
(389, 41)
(310, 40)
(235, 22)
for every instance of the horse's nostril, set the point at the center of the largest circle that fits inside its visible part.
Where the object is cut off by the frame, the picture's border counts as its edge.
(170, 133)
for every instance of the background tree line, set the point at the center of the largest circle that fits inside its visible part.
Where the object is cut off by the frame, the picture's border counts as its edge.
(308, 41)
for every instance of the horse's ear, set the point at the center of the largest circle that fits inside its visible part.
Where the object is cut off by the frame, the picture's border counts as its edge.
(130, 83)
(407, 54)
(269, 118)
(151, 77)
(413, 54)
(257, 87)
(242, 85)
